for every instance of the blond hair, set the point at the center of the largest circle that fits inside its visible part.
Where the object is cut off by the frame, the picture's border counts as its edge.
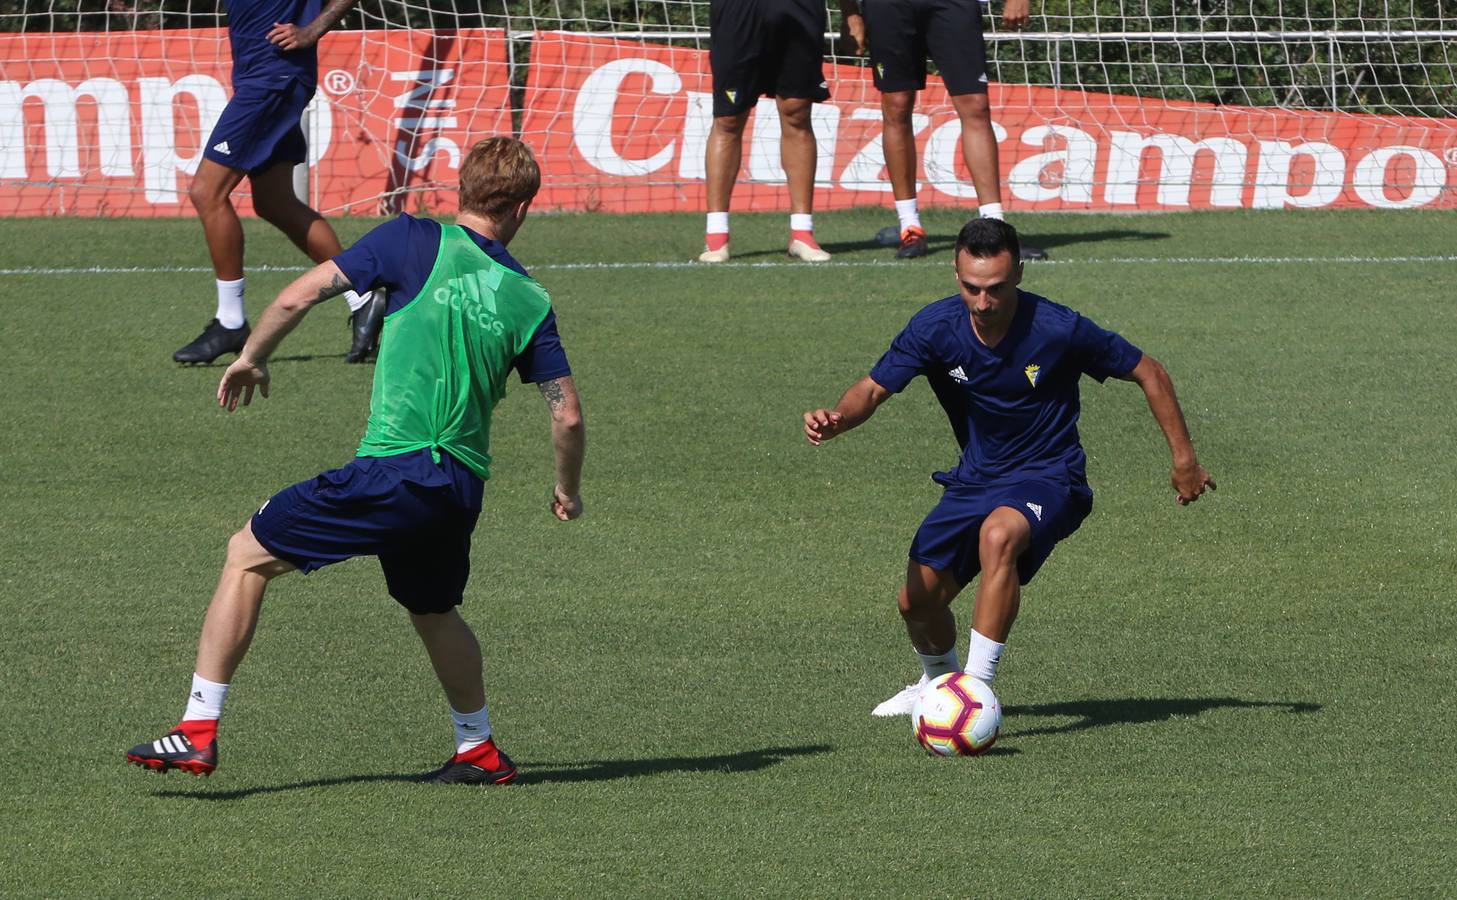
(498, 174)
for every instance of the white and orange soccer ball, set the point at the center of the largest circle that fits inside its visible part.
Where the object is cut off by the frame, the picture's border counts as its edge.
(956, 715)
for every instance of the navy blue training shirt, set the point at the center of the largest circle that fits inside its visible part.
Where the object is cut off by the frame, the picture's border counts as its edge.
(399, 256)
(1014, 407)
(257, 61)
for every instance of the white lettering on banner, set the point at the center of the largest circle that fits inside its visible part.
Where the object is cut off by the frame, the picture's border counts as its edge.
(1078, 159)
(596, 103)
(63, 139)
(1272, 177)
(765, 164)
(421, 110)
(160, 160)
(943, 149)
(862, 173)
(1177, 155)
(698, 121)
(1370, 180)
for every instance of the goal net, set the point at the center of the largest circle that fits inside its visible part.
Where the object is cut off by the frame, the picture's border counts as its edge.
(1097, 105)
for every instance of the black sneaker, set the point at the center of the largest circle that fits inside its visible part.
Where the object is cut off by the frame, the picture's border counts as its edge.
(1032, 253)
(458, 771)
(174, 751)
(365, 324)
(913, 243)
(214, 341)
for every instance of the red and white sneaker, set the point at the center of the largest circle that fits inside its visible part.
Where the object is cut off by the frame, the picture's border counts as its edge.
(483, 764)
(175, 750)
(715, 248)
(803, 246)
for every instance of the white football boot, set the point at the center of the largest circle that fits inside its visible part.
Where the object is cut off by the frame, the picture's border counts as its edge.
(715, 256)
(902, 702)
(807, 252)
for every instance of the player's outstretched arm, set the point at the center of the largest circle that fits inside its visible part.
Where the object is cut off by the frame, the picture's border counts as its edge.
(1189, 478)
(250, 369)
(858, 404)
(289, 36)
(569, 445)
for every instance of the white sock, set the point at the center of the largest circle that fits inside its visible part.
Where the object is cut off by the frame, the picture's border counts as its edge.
(717, 223)
(230, 304)
(471, 729)
(356, 300)
(990, 211)
(982, 656)
(908, 213)
(939, 664)
(801, 222)
(205, 701)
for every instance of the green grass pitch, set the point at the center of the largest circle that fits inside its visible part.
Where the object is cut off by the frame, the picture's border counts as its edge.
(1251, 696)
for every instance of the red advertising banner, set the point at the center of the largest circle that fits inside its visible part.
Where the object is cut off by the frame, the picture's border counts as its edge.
(113, 123)
(622, 126)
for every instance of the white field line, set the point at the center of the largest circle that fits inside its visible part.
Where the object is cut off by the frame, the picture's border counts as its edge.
(775, 264)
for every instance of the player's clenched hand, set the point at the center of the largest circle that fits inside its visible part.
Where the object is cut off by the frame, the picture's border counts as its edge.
(1014, 13)
(238, 383)
(565, 506)
(1190, 482)
(852, 34)
(820, 425)
(290, 37)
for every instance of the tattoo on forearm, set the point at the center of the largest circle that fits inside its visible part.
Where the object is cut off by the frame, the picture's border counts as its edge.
(336, 286)
(552, 391)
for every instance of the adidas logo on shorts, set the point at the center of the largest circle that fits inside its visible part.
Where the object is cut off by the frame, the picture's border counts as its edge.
(222, 147)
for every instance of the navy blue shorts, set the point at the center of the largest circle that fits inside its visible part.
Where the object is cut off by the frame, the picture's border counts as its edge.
(947, 539)
(259, 128)
(415, 515)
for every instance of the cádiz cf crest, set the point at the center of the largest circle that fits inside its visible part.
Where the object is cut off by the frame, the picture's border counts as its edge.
(1032, 372)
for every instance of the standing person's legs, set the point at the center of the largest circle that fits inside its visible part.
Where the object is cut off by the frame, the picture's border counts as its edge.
(724, 156)
(925, 607)
(797, 151)
(899, 142)
(276, 204)
(979, 150)
(210, 194)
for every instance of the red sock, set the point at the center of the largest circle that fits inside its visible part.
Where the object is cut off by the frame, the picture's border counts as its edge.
(483, 755)
(200, 732)
(804, 237)
(715, 240)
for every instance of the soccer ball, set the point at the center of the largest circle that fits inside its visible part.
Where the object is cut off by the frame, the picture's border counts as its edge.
(956, 715)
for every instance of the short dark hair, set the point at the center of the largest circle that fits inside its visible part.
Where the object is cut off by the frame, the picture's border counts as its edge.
(985, 238)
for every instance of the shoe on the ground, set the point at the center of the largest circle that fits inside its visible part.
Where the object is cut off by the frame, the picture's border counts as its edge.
(214, 341)
(475, 767)
(808, 251)
(902, 702)
(174, 751)
(715, 256)
(913, 243)
(365, 324)
(889, 236)
(1033, 253)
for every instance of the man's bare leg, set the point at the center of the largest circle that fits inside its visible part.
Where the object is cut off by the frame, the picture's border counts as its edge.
(721, 162)
(455, 655)
(227, 630)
